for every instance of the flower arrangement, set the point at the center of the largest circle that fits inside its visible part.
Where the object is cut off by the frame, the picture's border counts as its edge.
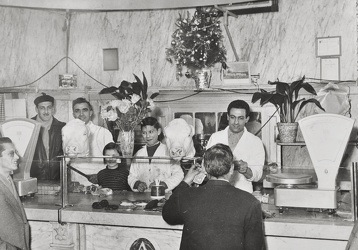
(197, 42)
(131, 105)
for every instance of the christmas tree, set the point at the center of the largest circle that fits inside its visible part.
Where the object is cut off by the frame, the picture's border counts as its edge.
(197, 42)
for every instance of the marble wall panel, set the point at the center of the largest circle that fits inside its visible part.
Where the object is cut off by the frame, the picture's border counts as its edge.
(41, 235)
(31, 43)
(282, 44)
(277, 44)
(130, 32)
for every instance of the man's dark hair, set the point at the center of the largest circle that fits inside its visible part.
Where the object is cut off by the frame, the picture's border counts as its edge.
(4, 140)
(109, 146)
(81, 100)
(239, 104)
(152, 121)
(218, 160)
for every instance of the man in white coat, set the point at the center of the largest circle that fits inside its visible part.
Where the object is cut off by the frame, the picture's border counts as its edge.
(99, 137)
(248, 150)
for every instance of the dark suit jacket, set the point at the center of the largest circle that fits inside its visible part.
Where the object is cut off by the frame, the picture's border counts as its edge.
(14, 228)
(215, 216)
(48, 167)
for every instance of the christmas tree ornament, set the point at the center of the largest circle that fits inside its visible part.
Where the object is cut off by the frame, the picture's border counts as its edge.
(197, 44)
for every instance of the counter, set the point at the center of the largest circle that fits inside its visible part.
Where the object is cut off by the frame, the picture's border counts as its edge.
(83, 227)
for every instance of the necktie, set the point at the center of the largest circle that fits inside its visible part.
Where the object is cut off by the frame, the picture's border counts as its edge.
(12, 186)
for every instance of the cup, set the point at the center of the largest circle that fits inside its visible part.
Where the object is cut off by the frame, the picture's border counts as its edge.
(157, 192)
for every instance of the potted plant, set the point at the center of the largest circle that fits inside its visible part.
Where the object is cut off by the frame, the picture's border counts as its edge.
(130, 106)
(197, 45)
(286, 100)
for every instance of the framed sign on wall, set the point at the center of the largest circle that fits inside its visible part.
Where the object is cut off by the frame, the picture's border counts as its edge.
(330, 68)
(236, 74)
(328, 46)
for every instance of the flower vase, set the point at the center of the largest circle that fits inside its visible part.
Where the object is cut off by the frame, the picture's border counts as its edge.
(202, 78)
(126, 142)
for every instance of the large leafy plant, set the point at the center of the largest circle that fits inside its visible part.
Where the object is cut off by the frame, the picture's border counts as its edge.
(131, 105)
(285, 98)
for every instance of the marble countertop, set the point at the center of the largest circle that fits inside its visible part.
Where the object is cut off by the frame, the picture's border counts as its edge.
(294, 222)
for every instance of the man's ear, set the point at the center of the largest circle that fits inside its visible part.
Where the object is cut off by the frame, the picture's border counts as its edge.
(159, 131)
(231, 171)
(247, 119)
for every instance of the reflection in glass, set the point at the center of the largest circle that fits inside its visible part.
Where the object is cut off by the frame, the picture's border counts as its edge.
(222, 121)
(254, 123)
(188, 117)
(207, 119)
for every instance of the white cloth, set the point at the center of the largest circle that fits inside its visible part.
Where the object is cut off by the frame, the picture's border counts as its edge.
(249, 149)
(99, 137)
(168, 171)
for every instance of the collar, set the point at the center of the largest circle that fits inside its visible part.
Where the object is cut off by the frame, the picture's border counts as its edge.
(235, 134)
(217, 182)
(4, 175)
(45, 124)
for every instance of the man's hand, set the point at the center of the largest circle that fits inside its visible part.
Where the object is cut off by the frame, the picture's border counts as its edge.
(192, 172)
(142, 187)
(93, 178)
(243, 168)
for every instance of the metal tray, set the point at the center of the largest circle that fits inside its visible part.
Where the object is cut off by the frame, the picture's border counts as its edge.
(289, 178)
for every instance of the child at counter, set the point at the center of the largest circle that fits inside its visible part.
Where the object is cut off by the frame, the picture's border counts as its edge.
(144, 172)
(115, 175)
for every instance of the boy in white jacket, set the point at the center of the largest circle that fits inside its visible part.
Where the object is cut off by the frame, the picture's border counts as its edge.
(144, 172)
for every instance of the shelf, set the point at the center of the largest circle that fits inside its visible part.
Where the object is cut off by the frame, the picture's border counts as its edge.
(297, 143)
(302, 143)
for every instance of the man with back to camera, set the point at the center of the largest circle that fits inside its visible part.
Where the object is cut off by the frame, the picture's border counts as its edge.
(99, 137)
(14, 227)
(248, 150)
(215, 215)
(46, 165)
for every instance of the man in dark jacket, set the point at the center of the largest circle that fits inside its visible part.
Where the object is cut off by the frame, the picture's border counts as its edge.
(46, 165)
(216, 215)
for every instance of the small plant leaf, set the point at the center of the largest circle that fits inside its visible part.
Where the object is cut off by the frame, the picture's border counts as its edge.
(154, 95)
(145, 87)
(108, 90)
(137, 86)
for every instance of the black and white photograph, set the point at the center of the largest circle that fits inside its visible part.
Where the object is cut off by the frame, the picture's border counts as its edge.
(175, 125)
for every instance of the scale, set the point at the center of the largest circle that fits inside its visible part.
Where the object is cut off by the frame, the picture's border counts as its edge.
(326, 137)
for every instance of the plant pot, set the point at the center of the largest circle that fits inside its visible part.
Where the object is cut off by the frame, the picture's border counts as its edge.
(202, 78)
(287, 131)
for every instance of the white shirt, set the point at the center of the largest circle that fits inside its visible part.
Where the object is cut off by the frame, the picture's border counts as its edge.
(164, 170)
(249, 149)
(99, 137)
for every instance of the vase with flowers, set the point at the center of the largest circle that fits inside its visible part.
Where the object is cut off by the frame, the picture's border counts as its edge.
(197, 45)
(130, 106)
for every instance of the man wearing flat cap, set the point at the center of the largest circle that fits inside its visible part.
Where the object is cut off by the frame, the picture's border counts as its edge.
(46, 165)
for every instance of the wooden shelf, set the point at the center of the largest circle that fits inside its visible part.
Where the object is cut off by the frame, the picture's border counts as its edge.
(302, 143)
